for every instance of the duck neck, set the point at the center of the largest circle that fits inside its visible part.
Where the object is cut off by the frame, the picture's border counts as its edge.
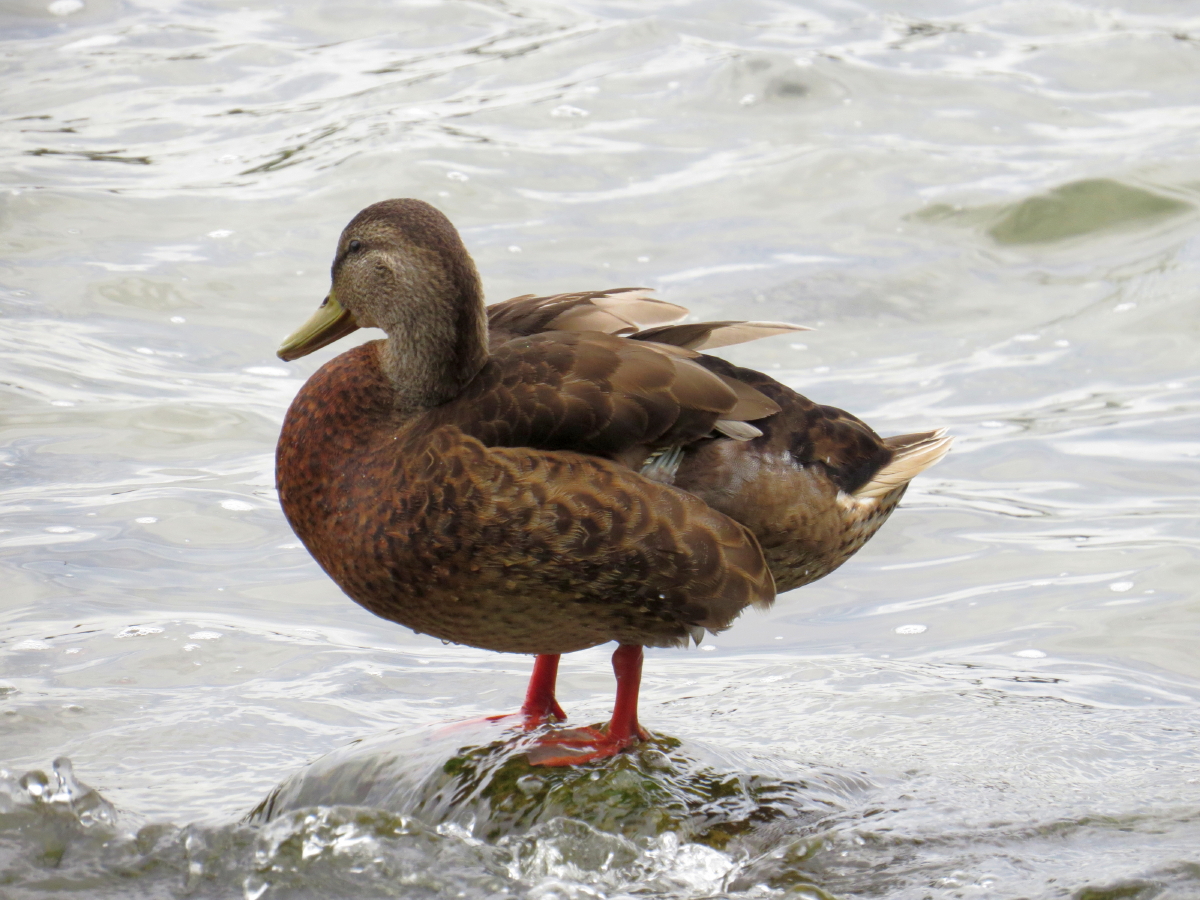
(430, 357)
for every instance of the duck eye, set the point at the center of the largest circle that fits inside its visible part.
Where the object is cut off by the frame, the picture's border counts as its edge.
(354, 246)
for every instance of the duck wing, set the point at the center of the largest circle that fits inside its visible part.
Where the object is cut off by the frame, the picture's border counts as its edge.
(599, 394)
(710, 335)
(627, 312)
(612, 311)
(630, 312)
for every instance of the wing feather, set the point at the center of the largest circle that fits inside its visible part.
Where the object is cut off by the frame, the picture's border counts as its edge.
(600, 394)
(709, 335)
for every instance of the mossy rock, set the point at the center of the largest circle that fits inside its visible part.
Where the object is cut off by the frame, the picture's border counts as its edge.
(478, 778)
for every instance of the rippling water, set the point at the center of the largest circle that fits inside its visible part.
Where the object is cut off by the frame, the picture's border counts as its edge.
(987, 209)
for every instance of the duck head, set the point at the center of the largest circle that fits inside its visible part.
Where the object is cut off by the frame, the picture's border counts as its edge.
(401, 266)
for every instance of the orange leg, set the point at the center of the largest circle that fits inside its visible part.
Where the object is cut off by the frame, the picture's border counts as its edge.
(627, 666)
(540, 705)
(540, 708)
(578, 745)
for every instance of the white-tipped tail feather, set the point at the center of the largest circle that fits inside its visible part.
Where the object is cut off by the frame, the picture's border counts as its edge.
(914, 453)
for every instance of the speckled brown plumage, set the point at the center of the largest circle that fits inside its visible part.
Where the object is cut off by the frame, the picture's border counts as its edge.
(500, 546)
(479, 478)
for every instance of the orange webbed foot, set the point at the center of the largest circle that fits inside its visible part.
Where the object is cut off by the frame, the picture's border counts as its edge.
(575, 746)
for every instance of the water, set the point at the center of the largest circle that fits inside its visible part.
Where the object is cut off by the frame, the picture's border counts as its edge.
(988, 210)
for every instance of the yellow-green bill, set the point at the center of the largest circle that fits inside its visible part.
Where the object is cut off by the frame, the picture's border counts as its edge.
(329, 323)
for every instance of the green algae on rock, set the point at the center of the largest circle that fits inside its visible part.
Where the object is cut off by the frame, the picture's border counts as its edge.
(477, 777)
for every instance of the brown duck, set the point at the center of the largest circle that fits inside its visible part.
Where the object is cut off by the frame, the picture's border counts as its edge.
(548, 473)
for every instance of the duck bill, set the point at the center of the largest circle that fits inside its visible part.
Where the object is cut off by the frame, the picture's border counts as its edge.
(329, 323)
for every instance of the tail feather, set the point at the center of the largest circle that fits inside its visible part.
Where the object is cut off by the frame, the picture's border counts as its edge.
(913, 454)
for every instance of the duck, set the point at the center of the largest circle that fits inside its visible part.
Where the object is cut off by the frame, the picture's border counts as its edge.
(552, 473)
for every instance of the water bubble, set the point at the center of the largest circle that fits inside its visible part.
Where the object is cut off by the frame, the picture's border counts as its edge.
(220, 233)
(62, 403)
(513, 248)
(146, 520)
(457, 176)
(59, 529)
(1120, 586)
(237, 505)
(32, 645)
(178, 320)
(1030, 654)
(912, 629)
(567, 111)
(205, 635)
(64, 7)
(695, 866)
(138, 631)
(530, 784)
(1124, 307)
(36, 784)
